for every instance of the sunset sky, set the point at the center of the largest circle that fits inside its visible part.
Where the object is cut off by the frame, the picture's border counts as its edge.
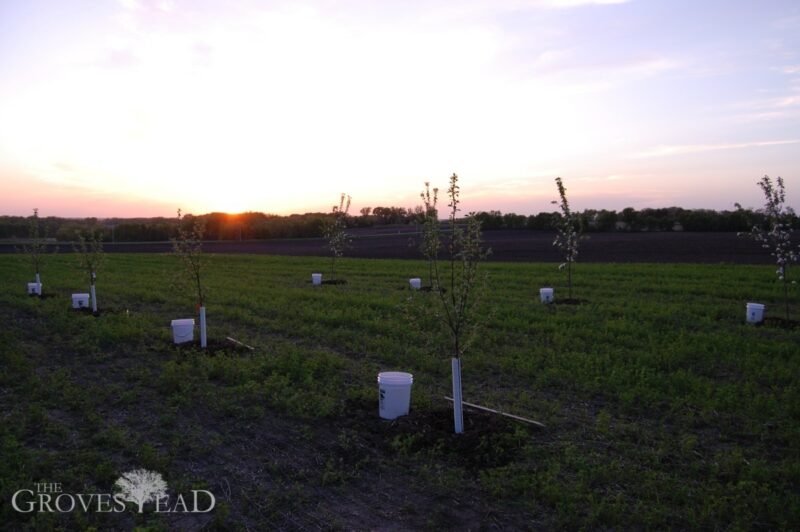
(138, 107)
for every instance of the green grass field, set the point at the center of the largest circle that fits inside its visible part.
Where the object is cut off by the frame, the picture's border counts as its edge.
(663, 409)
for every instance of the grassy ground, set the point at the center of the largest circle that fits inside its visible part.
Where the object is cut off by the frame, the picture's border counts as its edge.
(663, 408)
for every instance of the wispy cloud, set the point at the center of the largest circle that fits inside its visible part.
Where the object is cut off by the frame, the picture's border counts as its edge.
(476, 6)
(511, 186)
(549, 4)
(562, 4)
(790, 22)
(790, 69)
(784, 102)
(761, 116)
(117, 58)
(788, 101)
(157, 5)
(579, 78)
(479, 9)
(601, 178)
(682, 149)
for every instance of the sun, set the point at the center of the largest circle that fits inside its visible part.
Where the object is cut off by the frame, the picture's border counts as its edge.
(231, 201)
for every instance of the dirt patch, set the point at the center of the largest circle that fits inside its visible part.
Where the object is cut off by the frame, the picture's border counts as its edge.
(426, 289)
(335, 281)
(506, 245)
(442, 289)
(44, 296)
(783, 323)
(104, 311)
(488, 440)
(570, 301)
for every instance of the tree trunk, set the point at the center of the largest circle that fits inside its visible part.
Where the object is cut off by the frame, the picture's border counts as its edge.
(94, 299)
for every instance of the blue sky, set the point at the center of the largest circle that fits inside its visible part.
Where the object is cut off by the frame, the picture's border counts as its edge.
(138, 107)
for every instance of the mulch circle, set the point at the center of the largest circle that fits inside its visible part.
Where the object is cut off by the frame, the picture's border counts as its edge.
(44, 296)
(488, 440)
(426, 289)
(102, 311)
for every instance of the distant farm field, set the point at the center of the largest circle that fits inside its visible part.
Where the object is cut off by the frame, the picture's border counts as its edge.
(402, 242)
(663, 408)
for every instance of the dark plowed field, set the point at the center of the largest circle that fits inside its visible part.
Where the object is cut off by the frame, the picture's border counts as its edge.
(534, 246)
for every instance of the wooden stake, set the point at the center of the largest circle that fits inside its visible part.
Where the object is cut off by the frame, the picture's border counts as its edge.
(493, 411)
(235, 341)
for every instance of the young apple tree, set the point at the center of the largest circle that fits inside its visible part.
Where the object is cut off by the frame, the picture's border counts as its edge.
(89, 248)
(335, 231)
(431, 243)
(457, 286)
(188, 246)
(776, 233)
(568, 231)
(35, 248)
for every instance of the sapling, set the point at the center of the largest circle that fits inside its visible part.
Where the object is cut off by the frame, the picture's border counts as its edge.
(335, 231)
(776, 234)
(35, 248)
(188, 246)
(568, 230)
(89, 248)
(431, 243)
(458, 289)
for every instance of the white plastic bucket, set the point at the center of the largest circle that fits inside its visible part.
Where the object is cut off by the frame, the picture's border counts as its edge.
(183, 330)
(416, 283)
(755, 313)
(316, 278)
(546, 295)
(35, 289)
(80, 300)
(394, 394)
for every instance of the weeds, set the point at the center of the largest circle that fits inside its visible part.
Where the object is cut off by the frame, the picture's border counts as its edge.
(662, 411)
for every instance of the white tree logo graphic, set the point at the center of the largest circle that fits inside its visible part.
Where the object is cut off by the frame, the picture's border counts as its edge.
(141, 486)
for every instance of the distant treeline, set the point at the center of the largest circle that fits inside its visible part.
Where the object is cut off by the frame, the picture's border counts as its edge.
(260, 226)
(629, 219)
